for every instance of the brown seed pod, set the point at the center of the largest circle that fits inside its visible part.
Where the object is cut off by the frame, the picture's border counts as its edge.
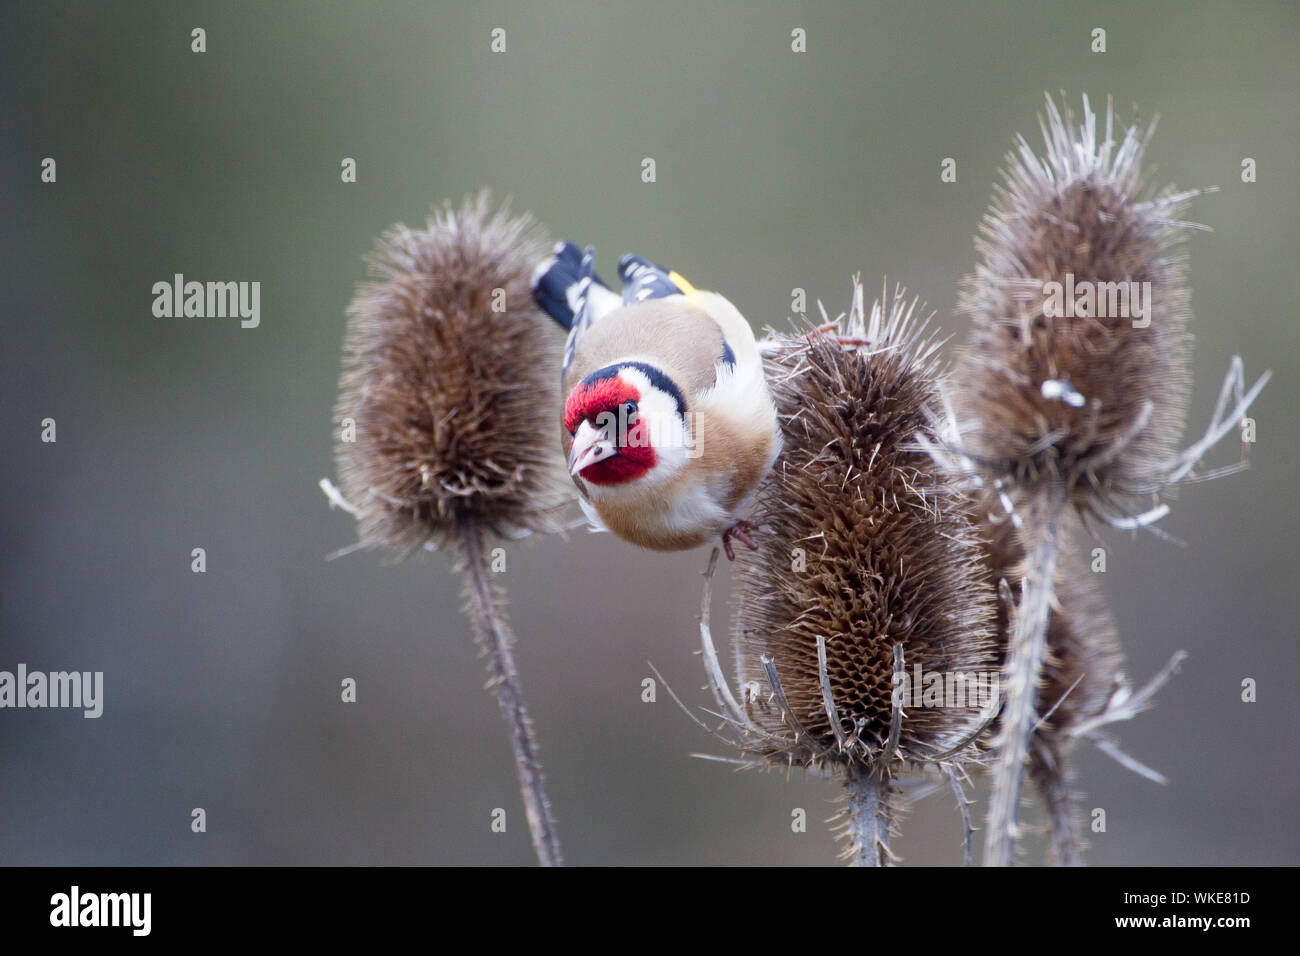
(1076, 374)
(868, 565)
(451, 382)
(1097, 400)
(888, 551)
(451, 378)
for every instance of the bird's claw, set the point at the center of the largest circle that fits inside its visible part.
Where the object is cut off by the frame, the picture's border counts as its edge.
(831, 330)
(740, 530)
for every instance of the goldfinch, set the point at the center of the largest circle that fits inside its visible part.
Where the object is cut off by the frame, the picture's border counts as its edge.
(668, 423)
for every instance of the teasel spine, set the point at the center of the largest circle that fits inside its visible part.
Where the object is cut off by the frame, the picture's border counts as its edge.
(868, 817)
(1026, 652)
(492, 631)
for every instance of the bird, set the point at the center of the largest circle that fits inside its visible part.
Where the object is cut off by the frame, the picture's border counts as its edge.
(668, 422)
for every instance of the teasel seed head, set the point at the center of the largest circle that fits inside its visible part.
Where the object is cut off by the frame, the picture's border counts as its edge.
(868, 578)
(1076, 372)
(451, 378)
(1095, 402)
(451, 383)
(865, 545)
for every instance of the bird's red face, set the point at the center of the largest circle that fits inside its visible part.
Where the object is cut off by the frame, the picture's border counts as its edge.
(611, 441)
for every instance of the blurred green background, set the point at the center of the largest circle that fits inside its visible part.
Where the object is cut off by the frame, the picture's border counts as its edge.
(775, 170)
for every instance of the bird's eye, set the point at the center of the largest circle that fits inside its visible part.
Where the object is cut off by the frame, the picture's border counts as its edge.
(629, 407)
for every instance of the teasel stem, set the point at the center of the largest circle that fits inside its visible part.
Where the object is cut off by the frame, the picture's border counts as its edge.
(1051, 777)
(484, 605)
(868, 792)
(1023, 669)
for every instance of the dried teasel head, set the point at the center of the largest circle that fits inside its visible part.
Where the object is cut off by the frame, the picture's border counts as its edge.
(1076, 375)
(451, 379)
(864, 544)
(450, 395)
(1077, 365)
(868, 567)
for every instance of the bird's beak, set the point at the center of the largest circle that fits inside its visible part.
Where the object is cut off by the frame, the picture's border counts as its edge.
(590, 445)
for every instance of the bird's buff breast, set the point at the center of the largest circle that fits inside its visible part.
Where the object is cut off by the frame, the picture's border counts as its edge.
(675, 520)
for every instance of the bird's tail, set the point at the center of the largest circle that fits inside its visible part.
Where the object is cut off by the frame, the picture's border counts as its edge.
(561, 283)
(642, 280)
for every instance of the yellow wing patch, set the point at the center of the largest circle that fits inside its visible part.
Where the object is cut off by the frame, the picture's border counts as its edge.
(680, 281)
